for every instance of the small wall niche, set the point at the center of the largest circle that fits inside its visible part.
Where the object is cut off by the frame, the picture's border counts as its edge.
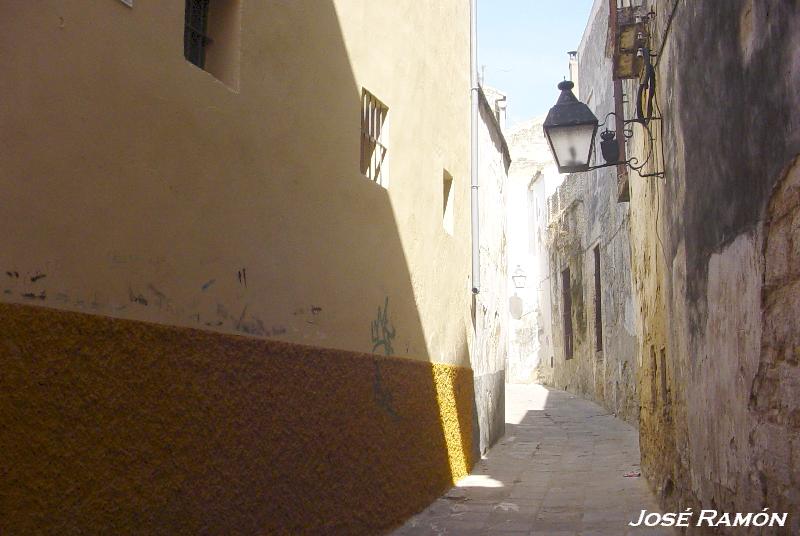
(447, 202)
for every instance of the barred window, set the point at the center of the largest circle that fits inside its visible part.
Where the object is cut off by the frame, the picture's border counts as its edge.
(373, 138)
(195, 38)
(212, 37)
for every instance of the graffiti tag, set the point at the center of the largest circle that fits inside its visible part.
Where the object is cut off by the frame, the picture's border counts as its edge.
(382, 331)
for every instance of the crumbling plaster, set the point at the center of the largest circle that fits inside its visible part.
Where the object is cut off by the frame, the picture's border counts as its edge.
(714, 259)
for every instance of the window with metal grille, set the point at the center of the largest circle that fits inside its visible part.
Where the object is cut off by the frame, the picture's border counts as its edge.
(212, 37)
(598, 301)
(373, 138)
(566, 298)
(194, 32)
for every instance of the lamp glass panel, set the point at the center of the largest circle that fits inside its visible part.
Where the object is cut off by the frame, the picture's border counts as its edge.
(572, 144)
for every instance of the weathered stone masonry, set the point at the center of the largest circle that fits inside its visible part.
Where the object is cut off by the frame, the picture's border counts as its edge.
(714, 247)
(588, 227)
(714, 259)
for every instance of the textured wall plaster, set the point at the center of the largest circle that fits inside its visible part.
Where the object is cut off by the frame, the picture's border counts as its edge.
(123, 427)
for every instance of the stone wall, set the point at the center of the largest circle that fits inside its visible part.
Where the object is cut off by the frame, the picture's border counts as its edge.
(714, 257)
(566, 245)
(607, 227)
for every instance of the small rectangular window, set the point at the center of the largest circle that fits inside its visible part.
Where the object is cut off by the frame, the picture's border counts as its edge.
(195, 30)
(211, 37)
(374, 137)
(566, 295)
(447, 202)
(598, 302)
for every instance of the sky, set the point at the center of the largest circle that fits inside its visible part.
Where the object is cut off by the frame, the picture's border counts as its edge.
(522, 49)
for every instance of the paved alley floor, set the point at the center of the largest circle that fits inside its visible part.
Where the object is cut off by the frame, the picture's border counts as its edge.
(558, 471)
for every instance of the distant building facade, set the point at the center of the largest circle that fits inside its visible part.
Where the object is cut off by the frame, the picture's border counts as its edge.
(594, 346)
(533, 177)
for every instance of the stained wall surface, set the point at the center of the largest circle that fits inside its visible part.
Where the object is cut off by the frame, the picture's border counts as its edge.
(714, 258)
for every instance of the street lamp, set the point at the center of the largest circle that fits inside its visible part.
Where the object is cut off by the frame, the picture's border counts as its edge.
(519, 277)
(570, 128)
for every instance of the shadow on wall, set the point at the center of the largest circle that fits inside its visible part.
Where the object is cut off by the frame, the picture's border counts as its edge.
(114, 425)
(240, 212)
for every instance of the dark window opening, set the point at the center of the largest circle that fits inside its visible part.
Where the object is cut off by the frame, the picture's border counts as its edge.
(598, 302)
(663, 376)
(567, 299)
(212, 37)
(195, 39)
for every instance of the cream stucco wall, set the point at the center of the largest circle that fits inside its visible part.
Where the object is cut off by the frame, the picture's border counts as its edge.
(136, 185)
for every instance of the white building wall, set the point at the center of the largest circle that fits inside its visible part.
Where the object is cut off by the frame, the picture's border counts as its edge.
(533, 177)
(490, 306)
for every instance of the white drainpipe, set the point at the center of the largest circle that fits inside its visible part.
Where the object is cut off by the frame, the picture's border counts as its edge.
(473, 45)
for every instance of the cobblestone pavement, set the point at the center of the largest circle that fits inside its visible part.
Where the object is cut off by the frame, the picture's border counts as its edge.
(557, 471)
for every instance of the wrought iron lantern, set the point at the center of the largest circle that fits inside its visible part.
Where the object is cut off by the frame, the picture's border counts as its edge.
(570, 129)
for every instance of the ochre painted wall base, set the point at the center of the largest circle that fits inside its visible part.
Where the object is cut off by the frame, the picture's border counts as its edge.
(112, 426)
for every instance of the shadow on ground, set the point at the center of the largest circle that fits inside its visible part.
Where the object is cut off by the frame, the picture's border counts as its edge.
(558, 470)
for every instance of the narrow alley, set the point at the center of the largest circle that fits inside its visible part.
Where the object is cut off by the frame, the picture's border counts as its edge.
(559, 470)
(370, 267)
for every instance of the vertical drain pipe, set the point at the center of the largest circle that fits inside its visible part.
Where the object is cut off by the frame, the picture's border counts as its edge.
(473, 45)
(476, 358)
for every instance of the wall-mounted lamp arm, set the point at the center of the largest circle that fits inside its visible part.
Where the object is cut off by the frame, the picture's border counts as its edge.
(632, 162)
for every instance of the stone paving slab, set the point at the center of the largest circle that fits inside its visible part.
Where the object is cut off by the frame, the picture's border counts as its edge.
(558, 471)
